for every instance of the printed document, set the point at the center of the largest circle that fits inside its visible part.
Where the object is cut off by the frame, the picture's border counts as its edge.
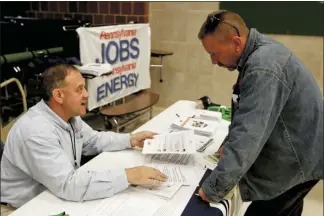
(182, 142)
(128, 203)
(183, 159)
(178, 174)
(165, 190)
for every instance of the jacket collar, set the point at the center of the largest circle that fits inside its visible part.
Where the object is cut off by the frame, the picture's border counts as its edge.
(249, 48)
(54, 117)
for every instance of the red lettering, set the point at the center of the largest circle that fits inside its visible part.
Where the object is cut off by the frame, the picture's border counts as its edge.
(117, 34)
(102, 35)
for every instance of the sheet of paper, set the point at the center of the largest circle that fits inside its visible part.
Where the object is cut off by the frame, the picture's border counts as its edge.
(127, 204)
(200, 126)
(182, 142)
(178, 174)
(178, 203)
(201, 140)
(183, 159)
(166, 190)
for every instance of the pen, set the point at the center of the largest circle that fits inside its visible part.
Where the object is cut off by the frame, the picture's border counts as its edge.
(177, 115)
(61, 214)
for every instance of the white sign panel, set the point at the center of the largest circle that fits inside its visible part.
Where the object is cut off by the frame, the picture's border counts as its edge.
(127, 49)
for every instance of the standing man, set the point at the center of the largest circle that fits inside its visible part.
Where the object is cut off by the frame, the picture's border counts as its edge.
(43, 148)
(274, 149)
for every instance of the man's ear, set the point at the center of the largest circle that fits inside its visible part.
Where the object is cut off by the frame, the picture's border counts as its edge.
(58, 96)
(237, 41)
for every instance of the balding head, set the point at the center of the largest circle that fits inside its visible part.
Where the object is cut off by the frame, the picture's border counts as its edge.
(224, 35)
(224, 24)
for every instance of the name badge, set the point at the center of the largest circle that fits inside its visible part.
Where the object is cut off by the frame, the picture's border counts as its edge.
(235, 97)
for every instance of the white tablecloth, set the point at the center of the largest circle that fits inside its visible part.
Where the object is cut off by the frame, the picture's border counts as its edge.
(46, 203)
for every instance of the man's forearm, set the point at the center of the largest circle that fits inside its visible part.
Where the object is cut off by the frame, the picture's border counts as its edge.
(230, 169)
(105, 142)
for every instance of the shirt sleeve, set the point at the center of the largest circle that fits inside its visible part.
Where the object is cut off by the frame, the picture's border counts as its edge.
(95, 142)
(49, 165)
(263, 96)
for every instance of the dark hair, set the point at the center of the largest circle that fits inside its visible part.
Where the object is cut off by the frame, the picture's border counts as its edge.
(207, 27)
(222, 17)
(53, 77)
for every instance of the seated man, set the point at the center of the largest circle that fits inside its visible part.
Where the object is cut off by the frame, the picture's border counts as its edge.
(43, 149)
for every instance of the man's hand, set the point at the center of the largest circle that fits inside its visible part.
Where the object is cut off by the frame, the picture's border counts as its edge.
(203, 195)
(138, 138)
(145, 176)
(220, 152)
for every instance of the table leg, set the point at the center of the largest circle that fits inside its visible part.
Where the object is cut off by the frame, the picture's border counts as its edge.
(151, 112)
(161, 69)
(117, 124)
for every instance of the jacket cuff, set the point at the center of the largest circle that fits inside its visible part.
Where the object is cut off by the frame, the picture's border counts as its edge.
(211, 192)
(119, 180)
(125, 139)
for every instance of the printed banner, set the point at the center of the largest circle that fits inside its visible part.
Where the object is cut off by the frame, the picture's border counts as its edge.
(127, 49)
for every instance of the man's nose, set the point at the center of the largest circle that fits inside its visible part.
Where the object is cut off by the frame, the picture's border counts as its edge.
(85, 94)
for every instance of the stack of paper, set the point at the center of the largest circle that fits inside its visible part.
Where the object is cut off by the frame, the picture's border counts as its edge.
(182, 142)
(201, 140)
(127, 203)
(95, 69)
(200, 126)
(165, 190)
(178, 174)
(170, 153)
(181, 159)
(208, 115)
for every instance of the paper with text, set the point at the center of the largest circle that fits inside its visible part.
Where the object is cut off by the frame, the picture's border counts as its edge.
(178, 174)
(201, 140)
(182, 142)
(165, 190)
(127, 204)
(183, 159)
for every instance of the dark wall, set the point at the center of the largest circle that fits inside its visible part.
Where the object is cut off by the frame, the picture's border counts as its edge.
(103, 12)
(38, 34)
(276, 17)
(14, 8)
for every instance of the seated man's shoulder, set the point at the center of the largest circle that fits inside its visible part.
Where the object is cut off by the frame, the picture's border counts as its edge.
(33, 123)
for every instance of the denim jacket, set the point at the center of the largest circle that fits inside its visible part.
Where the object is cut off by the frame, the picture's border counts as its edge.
(275, 139)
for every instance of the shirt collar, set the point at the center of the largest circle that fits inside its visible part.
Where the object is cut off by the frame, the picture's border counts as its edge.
(57, 119)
